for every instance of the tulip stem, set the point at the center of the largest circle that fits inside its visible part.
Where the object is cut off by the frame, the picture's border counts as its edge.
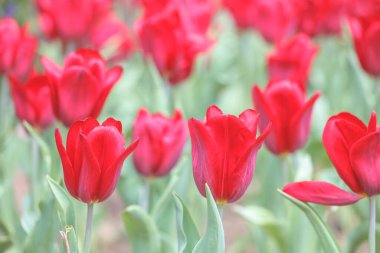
(34, 172)
(220, 209)
(87, 238)
(145, 196)
(372, 225)
(285, 168)
(169, 90)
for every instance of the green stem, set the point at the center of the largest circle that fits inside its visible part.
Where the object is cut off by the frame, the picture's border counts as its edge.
(285, 168)
(220, 209)
(87, 239)
(145, 196)
(34, 172)
(169, 91)
(372, 225)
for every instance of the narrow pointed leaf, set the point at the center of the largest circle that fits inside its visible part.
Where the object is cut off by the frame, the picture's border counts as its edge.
(213, 239)
(187, 232)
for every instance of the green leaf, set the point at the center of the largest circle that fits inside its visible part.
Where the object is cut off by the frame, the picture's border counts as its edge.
(41, 143)
(141, 230)
(328, 241)
(65, 210)
(43, 235)
(266, 220)
(213, 239)
(187, 232)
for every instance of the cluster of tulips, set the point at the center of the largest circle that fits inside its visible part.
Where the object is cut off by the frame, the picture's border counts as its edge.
(171, 34)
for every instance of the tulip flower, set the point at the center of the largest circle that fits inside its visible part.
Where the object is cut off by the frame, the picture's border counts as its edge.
(292, 59)
(273, 19)
(224, 150)
(32, 100)
(353, 148)
(80, 89)
(284, 104)
(161, 142)
(320, 17)
(17, 49)
(172, 41)
(93, 158)
(366, 34)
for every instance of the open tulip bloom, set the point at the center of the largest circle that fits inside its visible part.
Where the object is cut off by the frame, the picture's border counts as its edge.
(354, 149)
(224, 149)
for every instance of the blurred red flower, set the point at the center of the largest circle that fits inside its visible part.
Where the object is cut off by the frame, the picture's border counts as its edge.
(17, 49)
(32, 100)
(273, 19)
(80, 89)
(171, 37)
(292, 60)
(93, 158)
(284, 104)
(365, 31)
(161, 142)
(224, 149)
(354, 149)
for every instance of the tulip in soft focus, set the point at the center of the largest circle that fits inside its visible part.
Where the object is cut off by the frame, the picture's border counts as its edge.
(93, 158)
(32, 100)
(353, 148)
(284, 104)
(273, 19)
(224, 150)
(169, 38)
(292, 60)
(71, 21)
(17, 49)
(320, 17)
(161, 142)
(80, 89)
(366, 34)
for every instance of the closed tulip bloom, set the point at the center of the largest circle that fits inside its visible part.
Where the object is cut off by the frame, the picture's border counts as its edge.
(292, 60)
(274, 19)
(224, 150)
(161, 142)
(366, 34)
(93, 158)
(80, 89)
(32, 100)
(353, 148)
(17, 49)
(172, 41)
(284, 104)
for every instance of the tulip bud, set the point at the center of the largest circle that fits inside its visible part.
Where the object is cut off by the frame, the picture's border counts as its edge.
(161, 142)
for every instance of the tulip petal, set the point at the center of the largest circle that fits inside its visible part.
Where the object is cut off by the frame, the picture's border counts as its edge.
(365, 160)
(204, 155)
(51, 68)
(113, 75)
(114, 123)
(90, 173)
(372, 124)
(340, 132)
(320, 192)
(251, 119)
(300, 124)
(112, 174)
(68, 171)
(213, 111)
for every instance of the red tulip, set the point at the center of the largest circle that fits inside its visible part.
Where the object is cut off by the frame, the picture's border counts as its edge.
(71, 21)
(273, 19)
(93, 158)
(366, 34)
(318, 17)
(80, 89)
(284, 104)
(17, 49)
(32, 100)
(161, 142)
(224, 149)
(354, 149)
(292, 60)
(171, 40)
